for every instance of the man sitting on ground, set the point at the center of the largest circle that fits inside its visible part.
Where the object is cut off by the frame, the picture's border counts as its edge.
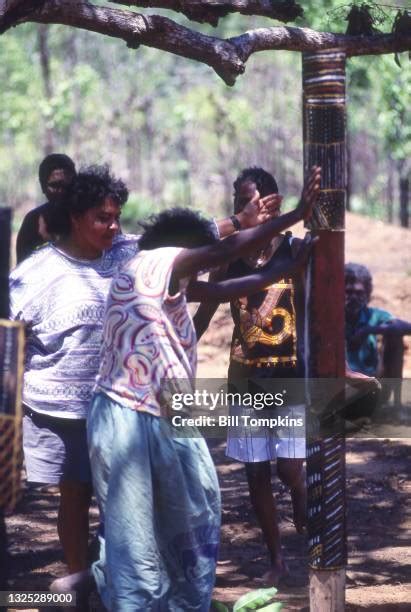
(362, 325)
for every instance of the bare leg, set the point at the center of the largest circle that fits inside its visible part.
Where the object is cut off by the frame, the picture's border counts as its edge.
(263, 502)
(290, 472)
(393, 359)
(73, 523)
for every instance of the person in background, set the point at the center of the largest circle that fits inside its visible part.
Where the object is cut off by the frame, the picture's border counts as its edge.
(56, 173)
(363, 324)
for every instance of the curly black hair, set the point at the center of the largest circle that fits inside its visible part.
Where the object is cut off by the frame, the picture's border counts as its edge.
(54, 161)
(90, 188)
(264, 181)
(176, 227)
(356, 272)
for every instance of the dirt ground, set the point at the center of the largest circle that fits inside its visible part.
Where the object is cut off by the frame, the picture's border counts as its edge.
(378, 484)
(379, 530)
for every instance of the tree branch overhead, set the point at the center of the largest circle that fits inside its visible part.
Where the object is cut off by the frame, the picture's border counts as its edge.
(226, 56)
(212, 10)
(304, 39)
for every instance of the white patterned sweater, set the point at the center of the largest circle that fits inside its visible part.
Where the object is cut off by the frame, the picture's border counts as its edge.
(149, 346)
(63, 301)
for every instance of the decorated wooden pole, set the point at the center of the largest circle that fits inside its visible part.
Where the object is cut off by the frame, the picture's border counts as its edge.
(324, 128)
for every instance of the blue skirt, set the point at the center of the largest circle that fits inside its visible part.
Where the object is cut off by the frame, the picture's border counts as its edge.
(160, 504)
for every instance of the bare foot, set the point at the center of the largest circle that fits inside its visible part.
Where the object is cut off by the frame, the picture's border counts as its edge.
(275, 574)
(82, 583)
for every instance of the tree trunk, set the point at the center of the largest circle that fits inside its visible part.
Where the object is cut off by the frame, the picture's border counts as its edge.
(133, 159)
(390, 193)
(43, 32)
(325, 590)
(349, 173)
(76, 130)
(404, 201)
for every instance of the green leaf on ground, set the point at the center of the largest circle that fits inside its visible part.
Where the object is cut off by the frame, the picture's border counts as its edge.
(254, 599)
(273, 607)
(217, 606)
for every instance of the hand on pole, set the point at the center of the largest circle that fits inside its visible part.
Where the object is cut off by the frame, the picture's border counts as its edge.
(310, 193)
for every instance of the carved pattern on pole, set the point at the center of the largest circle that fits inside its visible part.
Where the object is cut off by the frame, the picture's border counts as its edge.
(324, 134)
(324, 127)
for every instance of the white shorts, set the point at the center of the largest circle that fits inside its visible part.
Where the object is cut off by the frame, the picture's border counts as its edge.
(261, 442)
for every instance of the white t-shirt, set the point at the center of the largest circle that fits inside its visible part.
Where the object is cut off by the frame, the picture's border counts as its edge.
(149, 336)
(63, 300)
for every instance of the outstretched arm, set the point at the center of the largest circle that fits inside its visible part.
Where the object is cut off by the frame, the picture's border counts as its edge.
(224, 291)
(395, 327)
(190, 261)
(207, 310)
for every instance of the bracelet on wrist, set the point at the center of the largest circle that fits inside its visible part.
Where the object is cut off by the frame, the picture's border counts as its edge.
(237, 225)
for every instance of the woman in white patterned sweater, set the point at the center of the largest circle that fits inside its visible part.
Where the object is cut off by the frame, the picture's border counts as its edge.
(60, 291)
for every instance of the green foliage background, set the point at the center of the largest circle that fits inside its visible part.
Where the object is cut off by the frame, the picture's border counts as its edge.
(175, 132)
